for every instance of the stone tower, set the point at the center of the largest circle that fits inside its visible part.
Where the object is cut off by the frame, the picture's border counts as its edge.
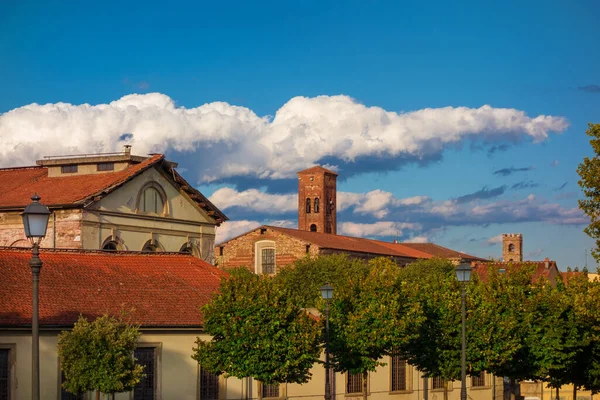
(512, 247)
(317, 200)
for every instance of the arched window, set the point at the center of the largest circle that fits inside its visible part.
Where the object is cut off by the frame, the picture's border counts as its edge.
(316, 204)
(152, 199)
(186, 248)
(151, 246)
(313, 228)
(110, 246)
(511, 248)
(308, 205)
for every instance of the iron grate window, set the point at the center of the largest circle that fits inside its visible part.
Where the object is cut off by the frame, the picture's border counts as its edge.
(64, 395)
(209, 385)
(144, 390)
(478, 380)
(437, 383)
(268, 261)
(4, 374)
(354, 383)
(398, 373)
(270, 391)
(68, 169)
(106, 166)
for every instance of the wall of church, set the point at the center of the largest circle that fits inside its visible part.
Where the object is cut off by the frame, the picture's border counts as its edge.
(64, 229)
(240, 251)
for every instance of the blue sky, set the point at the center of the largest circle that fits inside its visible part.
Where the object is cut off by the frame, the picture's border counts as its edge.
(215, 79)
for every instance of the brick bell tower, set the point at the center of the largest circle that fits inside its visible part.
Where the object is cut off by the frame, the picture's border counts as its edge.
(317, 200)
(512, 247)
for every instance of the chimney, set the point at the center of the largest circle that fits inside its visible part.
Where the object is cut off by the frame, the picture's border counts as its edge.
(547, 263)
(127, 149)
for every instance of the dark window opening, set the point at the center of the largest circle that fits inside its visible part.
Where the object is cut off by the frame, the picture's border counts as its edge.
(307, 248)
(313, 228)
(270, 391)
(110, 246)
(316, 204)
(149, 247)
(106, 166)
(437, 383)
(221, 250)
(5, 374)
(186, 249)
(145, 389)
(68, 169)
(268, 261)
(354, 383)
(308, 205)
(511, 248)
(478, 380)
(398, 373)
(209, 385)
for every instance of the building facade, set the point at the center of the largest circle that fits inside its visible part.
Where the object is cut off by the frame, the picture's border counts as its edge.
(114, 201)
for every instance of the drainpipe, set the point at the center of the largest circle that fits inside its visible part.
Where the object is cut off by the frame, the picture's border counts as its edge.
(53, 229)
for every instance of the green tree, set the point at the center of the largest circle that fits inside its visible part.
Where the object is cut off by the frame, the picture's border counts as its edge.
(371, 317)
(258, 331)
(589, 171)
(98, 356)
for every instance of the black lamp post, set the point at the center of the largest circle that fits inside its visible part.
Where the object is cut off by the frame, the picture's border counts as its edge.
(463, 275)
(327, 294)
(35, 220)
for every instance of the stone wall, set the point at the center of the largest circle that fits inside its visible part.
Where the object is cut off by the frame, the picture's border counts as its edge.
(64, 229)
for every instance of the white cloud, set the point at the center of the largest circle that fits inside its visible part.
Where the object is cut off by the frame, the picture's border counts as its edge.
(229, 229)
(230, 141)
(494, 240)
(381, 228)
(418, 239)
(255, 200)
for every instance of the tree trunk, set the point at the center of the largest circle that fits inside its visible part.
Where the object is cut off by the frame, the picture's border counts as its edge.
(97, 395)
(557, 394)
(365, 377)
(574, 392)
(445, 389)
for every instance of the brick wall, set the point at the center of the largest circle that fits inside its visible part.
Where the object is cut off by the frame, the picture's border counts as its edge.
(240, 252)
(320, 185)
(64, 229)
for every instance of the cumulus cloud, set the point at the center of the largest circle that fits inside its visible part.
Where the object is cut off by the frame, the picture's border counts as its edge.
(255, 200)
(227, 141)
(417, 239)
(380, 228)
(229, 229)
(494, 240)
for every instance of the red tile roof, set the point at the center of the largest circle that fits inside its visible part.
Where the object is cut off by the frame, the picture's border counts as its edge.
(17, 185)
(158, 289)
(543, 269)
(443, 252)
(348, 243)
(316, 169)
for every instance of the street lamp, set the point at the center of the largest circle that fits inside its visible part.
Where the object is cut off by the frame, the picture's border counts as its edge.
(463, 274)
(327, 295)
(35, 220)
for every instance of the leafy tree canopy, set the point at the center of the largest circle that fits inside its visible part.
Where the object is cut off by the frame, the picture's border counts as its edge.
(98, 356)
(589, 172)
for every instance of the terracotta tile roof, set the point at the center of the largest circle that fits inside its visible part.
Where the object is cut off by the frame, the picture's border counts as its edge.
(17, 185)
(443, 252)
(162, 289)
(317, 169)
(348, 243)
(543, 269)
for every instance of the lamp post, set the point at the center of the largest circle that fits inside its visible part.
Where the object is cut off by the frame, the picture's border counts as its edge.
(35, 221)
(327, 294)
(463, 274)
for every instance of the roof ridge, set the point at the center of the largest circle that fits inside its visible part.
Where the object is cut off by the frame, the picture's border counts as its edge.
(96, 251)
(23, 167)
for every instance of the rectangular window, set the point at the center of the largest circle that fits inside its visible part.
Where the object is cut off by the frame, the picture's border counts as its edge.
(146, 388)
(398, 378)
(5, 375)
(209, 385)
(270, 391)
(64, 395)
(106, 166)
(437, 383)
(354, 383)
(478, 380)
(68, 169)
(268, 261)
